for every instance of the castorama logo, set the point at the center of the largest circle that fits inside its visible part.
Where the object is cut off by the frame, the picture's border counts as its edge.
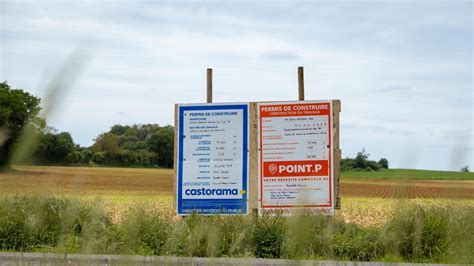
(211, 191)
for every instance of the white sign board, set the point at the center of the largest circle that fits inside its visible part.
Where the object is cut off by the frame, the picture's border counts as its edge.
(295, 157)
(212, 163)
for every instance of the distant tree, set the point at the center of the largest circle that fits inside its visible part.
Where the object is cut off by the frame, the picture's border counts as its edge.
(162, 143)
(137, 145)
(465, 169)
(360, 161)
(383, 163)
(99, 158)
(75, 158)
(119, 129)
(146, 158)
(108, 143)
(54, 148)
(372, 165)
(347, 164)
(17, 110)
(86, 156)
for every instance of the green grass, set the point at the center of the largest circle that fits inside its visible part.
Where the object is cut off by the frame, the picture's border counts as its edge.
(409, 174)
(414, 233)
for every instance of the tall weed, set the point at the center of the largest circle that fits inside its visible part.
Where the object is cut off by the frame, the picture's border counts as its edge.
(420, 233)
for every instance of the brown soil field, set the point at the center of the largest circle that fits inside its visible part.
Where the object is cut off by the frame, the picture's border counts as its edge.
(381, 188)
(88, 180)
(159, 182)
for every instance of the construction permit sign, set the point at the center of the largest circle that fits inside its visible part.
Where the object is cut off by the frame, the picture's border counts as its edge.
(295, 157)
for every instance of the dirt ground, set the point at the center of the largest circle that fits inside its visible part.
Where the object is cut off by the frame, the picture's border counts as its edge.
(88, 181)
(159, 182)
(380, 188)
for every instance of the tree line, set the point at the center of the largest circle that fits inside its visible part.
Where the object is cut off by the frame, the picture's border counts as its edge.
(362, 163)
(148, 145)
(142, 145)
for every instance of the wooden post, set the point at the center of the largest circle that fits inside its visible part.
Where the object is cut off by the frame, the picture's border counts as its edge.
(209, 85)
(300, 83)
(336, 110)
(253, 159)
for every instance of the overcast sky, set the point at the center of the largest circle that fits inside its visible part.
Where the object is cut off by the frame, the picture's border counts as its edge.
(403, 70)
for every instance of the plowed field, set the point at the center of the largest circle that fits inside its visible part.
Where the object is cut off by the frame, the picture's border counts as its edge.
(159, 182)
(407, 189)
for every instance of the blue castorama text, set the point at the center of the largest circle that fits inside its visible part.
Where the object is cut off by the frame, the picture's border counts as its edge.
(211, 191)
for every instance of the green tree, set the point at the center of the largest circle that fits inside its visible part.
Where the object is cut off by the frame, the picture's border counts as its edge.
(360, 161)
(99, 158)
(75, 158)
(162, 142)
(119, 129)
(54, 148)
(137, 145)
(383, 163)
(86, 155)
(347, 164)
(108, 143)
(373, 165)
(17, 110)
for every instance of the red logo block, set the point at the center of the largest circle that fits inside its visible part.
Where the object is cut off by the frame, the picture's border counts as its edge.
(295, 168)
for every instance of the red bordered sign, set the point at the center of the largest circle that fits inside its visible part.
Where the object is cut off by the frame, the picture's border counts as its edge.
(295, 157)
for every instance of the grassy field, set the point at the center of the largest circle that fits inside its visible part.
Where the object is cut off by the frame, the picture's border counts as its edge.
(409, 174)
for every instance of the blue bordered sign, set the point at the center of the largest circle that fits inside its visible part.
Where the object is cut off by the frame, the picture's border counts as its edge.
(212, 163)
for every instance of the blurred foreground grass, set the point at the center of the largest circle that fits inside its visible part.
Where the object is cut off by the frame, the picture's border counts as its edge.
(411, 231)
